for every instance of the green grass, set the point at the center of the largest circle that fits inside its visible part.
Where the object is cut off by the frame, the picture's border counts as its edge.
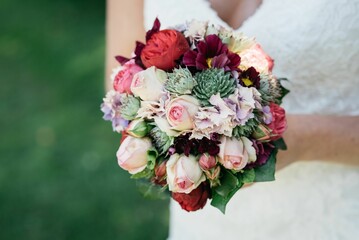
(59, 177)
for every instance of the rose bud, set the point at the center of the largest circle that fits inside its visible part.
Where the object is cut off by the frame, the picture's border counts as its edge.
(279, 122)
(160, 174)
(207, 161)
(213, 176)
(183, 173)
(180, 112)
(234, 154)
(257, 58)
(163, 49)
(132, 154)
(149, 84)
(137, 128)
(194, 200)
(122, 76)
(262, 133)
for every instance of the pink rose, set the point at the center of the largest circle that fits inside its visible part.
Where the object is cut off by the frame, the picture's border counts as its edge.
(207, 161)
(123, 75)
(132, 154)
(257, 58)
(279, 122)
(235, 153)
(180, 112)
(183, 173)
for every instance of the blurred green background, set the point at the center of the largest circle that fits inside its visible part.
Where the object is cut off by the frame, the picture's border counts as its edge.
(59, 178)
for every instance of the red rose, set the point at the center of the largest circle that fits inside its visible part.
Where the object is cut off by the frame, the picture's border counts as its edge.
(163, 49)
(279, 122)
(194, 200)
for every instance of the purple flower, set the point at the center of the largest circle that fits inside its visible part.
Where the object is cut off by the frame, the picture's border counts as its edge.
(267, 115)
(263, 151)
(111, 108)
(211, 52)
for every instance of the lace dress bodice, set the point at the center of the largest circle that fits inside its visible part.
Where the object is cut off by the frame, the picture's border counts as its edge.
(315, 44)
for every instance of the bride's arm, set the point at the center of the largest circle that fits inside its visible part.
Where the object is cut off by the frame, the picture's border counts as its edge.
(124, 25)
(327, 138)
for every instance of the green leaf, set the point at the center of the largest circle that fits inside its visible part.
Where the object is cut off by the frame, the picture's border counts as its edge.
(280, 144)
(147, 173)
(266, 172)
(228, 183)
(284, 91)
(152, 191)
(220, 202)
(152, 155)
(223, 193)
(248, 176)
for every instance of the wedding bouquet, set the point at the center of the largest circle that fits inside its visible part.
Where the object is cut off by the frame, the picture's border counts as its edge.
(198, 109)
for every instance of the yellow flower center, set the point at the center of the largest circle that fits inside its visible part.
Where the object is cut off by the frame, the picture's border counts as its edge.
(247, 82)
(209, 62)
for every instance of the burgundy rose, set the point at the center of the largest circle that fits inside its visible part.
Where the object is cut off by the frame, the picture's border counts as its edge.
(279, 122)
(263, 151)
(195, 200)
(163, 49)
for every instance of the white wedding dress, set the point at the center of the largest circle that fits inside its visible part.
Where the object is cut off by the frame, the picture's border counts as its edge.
(315, 45)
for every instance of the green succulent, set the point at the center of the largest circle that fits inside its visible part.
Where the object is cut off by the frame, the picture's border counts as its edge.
(129, 107)
(247, 129)
(180, 81)
(161, 140)
(211, 82)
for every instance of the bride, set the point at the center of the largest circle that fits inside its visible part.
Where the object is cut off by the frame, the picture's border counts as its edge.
(315, 44)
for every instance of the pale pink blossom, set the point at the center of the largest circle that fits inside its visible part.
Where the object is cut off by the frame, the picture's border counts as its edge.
(235, 154)
(180, 112)
(149, 84)
(183, 173)
(132, 154)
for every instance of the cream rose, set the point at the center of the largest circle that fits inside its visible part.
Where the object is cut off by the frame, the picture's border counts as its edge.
(180, 112)
(132, 154)
(235, 154)
(148, 84)
(183, 173)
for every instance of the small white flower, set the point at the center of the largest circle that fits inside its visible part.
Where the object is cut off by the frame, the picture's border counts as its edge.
(196, 30)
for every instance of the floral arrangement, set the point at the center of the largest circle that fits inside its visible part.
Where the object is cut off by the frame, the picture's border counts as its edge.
(198, 109)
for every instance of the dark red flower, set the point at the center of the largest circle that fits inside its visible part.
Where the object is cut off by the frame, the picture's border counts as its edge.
(183, 144)
(211, 52)
(263, 151)
(250, 78)
(195, 200)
